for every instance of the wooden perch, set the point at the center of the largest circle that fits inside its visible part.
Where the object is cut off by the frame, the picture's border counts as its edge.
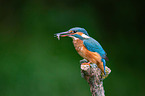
(94, 77)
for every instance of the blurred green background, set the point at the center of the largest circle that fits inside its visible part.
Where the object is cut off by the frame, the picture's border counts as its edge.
(34, 63)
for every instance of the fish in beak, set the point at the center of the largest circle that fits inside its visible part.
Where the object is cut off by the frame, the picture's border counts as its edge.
(62, 34)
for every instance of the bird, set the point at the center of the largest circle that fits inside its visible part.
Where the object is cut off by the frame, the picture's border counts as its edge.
(87, 47)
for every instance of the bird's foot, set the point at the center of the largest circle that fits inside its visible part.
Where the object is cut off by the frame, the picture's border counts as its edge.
(88, 63)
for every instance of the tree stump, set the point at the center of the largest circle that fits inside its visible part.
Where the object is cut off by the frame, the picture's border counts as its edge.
(93, 75)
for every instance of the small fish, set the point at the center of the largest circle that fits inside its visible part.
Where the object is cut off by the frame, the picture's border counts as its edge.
(57, 35)
(60, 34)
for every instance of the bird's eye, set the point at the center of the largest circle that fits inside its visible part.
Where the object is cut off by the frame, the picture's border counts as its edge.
(74, 31)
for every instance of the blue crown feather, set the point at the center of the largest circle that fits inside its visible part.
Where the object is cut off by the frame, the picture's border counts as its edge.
(78, 29)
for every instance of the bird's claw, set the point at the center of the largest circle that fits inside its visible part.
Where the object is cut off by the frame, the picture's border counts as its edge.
(86, 64)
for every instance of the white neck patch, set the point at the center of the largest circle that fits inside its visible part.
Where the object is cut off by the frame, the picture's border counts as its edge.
(85, 36)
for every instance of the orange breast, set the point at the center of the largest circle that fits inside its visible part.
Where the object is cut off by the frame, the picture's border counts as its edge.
(93, 57)
(85, 53)
(78, 44)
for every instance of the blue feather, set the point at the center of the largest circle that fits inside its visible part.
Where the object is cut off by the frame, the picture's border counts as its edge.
(104, 64)
(78, 29)
(94, 46)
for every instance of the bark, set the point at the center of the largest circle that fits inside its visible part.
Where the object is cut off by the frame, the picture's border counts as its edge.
(93, 75)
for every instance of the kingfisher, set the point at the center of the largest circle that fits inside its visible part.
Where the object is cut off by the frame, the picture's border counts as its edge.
(87, 47)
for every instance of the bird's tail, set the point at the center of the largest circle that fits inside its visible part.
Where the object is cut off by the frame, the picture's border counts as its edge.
(104, 64)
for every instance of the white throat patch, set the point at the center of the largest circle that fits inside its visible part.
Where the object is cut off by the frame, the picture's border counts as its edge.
(85, 36)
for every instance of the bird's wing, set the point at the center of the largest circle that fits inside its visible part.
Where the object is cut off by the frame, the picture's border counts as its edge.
(94, 46)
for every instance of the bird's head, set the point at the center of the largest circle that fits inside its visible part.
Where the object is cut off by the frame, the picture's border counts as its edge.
(75, 33)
